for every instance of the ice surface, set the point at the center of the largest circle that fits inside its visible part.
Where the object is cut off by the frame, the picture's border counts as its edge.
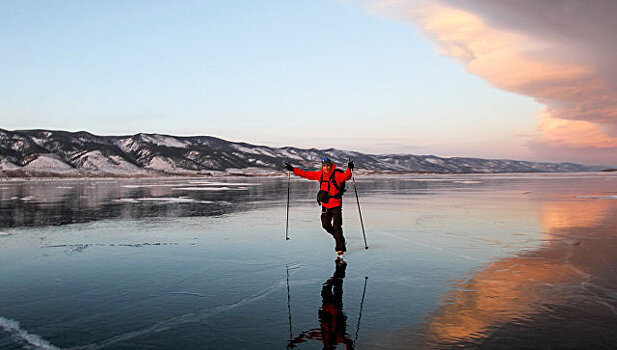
(158, 199)
(155, 185)
(453, 261)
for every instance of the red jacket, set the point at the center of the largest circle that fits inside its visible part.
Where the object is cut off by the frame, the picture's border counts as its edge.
(339, 177)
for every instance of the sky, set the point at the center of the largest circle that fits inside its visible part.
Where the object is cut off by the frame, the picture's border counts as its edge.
(525, 79)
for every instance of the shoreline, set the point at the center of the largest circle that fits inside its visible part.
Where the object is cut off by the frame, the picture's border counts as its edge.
(64, 177)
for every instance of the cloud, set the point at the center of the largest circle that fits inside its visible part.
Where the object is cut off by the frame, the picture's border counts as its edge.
(560, 53)
(574, 133)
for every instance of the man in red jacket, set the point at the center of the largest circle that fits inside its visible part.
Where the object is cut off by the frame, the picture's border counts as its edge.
(330, 197)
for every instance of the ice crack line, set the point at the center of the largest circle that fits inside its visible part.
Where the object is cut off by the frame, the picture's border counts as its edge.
(439, 249)
(23, 336)
(193, 317)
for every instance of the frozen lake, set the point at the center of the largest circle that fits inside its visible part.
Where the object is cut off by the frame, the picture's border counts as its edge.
(474, 261)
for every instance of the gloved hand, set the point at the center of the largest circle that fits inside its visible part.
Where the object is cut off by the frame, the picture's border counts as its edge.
(289, 167)
(350, 165)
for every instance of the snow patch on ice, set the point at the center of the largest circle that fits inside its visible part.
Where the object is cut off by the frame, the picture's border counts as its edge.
(32, 340)
(154, 185)
(427, 180)
(224, 188)
(210, 183)
(161, 199)
(166, 199)
(4, 234)
(599, 197)
(125, 200)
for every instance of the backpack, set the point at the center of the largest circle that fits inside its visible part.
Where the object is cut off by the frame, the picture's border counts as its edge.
(324, 196)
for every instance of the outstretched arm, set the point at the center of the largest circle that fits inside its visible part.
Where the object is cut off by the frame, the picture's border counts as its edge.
(311, 175)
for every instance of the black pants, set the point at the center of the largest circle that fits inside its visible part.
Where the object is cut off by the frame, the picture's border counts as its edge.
(332, 221)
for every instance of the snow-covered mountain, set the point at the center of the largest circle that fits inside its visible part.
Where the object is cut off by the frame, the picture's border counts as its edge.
(62, 153)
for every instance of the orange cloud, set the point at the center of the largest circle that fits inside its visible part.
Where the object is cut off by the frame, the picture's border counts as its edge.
(573, 133)
(581, 102)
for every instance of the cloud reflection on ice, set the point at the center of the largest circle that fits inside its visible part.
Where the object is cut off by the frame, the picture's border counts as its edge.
(517, 301)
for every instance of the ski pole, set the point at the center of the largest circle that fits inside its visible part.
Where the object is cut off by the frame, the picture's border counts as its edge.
(360, 314)
(355, 187)
(287, 216)
(289, 308)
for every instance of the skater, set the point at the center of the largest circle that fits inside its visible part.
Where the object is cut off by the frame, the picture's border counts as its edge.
(332, 187)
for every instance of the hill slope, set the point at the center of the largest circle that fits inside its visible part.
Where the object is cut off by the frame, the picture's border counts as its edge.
(62, 153)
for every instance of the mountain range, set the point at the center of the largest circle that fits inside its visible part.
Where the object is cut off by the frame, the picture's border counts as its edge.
(26, 153)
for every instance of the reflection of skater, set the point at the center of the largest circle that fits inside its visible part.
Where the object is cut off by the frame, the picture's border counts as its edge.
(330, 195)
(332, 320)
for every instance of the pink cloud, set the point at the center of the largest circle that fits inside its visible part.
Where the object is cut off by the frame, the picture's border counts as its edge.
(562, 55)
